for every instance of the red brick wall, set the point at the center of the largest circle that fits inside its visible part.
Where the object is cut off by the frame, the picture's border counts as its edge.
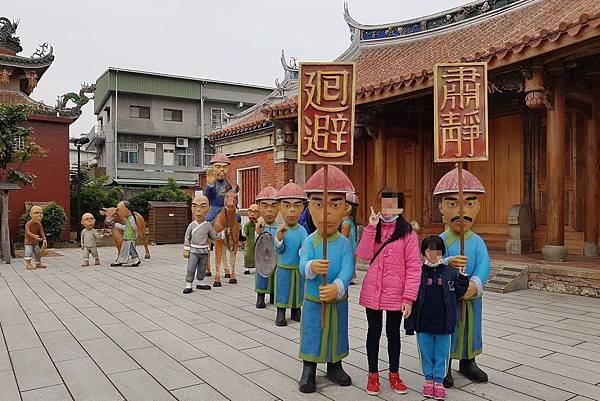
(52, 171)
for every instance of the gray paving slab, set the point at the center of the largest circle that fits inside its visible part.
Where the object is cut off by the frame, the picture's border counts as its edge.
(143, 339)
(109, 356)
(86, 381)
(282, 386)
(83, 329)
(177, 348)
(202, 392)
(227, 381)
(136, 321)
(8, 387)
(27, 361)
(21, 336)
(168, 372)
(125, 336)
(554, 380)
(4, 358)
(45, 321)
(52, 393)
(62, 346)
(138, 385)
(229, 356)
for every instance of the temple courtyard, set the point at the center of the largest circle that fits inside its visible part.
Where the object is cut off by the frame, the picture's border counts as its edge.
(100, 333)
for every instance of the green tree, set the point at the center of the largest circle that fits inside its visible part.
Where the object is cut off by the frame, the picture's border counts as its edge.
(16, 146)
(94, 196)
(168, 193)
(54, 221)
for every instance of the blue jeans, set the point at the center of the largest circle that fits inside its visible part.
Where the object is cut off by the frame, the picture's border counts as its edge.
(434, 352)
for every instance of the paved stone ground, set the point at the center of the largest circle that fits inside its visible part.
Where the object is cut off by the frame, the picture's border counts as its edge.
(129, 333)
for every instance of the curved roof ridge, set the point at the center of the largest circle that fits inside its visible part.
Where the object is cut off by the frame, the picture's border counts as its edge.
(433, 24)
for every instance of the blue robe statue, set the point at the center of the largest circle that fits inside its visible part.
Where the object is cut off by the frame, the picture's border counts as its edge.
(289, 284)
(330, 343)
(467, 340)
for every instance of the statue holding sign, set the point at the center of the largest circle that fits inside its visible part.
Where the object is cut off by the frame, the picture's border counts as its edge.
(326, 342)
(467, 339)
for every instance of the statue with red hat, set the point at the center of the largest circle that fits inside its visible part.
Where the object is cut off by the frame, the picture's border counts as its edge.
(467, 339)
(269, 209)
(326, 340)
(289, 284)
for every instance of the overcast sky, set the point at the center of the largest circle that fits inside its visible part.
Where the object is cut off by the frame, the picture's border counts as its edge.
(236, 41)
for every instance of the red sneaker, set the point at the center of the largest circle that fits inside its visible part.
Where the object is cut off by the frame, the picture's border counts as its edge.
(397, 384)
(373, 384)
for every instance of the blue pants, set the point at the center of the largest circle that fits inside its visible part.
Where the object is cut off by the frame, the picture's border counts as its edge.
(434, 351)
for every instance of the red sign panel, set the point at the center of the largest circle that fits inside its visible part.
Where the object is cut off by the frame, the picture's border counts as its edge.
(460, 112)
(326, 113)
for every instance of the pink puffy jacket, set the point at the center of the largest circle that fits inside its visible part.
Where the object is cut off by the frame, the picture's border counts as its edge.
(394, 276)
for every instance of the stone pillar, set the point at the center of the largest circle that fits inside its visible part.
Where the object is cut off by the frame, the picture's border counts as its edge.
(379, 162)
(555, 172)
(520, 225)
(592, 173)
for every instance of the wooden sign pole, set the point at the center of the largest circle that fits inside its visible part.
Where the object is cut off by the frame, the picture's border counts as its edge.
(325, 240)
(461, 208)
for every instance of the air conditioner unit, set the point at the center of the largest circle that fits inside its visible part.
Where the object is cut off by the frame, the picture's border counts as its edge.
(182, 143)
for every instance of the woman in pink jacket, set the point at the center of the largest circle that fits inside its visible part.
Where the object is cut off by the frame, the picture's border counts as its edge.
(391, 283)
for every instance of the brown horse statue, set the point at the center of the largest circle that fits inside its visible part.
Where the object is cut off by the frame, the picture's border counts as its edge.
(111, 217)
(226, 223)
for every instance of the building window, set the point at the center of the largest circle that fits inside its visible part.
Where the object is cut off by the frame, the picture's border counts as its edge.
(149, 153)
(19, 143)
(168, 154)
(128, 153)
(172, 115)
(217, 118)
(107, 109)
(185, 157)
(139, 112)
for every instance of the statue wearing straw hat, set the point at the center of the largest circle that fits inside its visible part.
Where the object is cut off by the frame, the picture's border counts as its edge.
(467, 339)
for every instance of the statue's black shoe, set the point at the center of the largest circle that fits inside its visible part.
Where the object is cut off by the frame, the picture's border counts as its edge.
(227, 275)
(260, 301)
(336, 374)
(471, 371)
(187, 290)
(280, 319)
(296, 314)
(308, 381)
(203, 287)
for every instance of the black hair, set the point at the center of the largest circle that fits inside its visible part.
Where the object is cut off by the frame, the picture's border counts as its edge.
(391, 193)
(433, 243)
(400, 231)
(128, 205)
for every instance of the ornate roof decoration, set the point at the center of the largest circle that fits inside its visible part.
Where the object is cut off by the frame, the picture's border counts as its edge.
(435, 22)
(39, 108)
(448, 184)
(509, 32)
(256, 117)
(8, 40)
(79, 100)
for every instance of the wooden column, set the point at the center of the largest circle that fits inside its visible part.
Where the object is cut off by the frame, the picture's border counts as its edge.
(419, 168)
(309, 170)
(379, 162)
(592, 173)
(555, 171)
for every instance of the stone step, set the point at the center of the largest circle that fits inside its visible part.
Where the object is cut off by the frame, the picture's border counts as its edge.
(508, 279)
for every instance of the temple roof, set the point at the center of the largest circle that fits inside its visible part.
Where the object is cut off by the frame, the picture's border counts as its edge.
(42, 62)
(391, 60)
(39, 108)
